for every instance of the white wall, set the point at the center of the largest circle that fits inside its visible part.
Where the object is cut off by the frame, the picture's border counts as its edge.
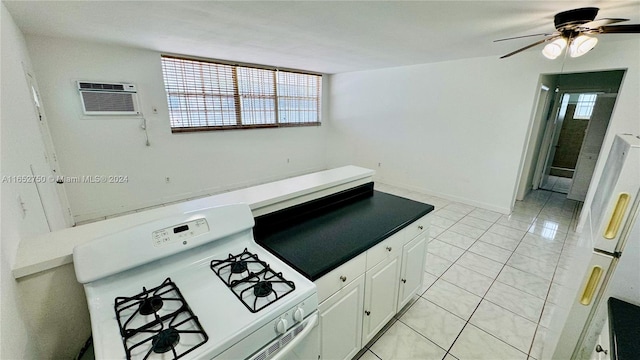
(43, 316)
(457, 129)
(197, 163)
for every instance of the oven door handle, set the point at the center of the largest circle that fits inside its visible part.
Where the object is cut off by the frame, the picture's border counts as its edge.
(312, 321)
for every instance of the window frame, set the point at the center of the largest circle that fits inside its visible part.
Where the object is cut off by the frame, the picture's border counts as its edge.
(586, 102)
(237, 97)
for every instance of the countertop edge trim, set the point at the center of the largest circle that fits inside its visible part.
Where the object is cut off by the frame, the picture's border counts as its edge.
(376, 242)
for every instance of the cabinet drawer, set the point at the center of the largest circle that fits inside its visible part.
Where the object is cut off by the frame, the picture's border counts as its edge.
(386, 249)
(418, 226)
(338, 278)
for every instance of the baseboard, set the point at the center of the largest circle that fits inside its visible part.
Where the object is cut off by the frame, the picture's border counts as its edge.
(502, 210)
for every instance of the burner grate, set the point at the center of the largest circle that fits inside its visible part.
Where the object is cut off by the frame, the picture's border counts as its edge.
(157, 322)
(252, 280)
(237, 267)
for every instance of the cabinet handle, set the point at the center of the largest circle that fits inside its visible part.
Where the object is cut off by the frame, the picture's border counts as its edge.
(343, 278)
(616, 218)
(420, 227)
(600, 349)
(591, 286)
(403, 281)
(367, 312)
(388, 248)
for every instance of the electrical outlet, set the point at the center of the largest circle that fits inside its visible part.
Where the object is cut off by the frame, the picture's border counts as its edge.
(167, 179)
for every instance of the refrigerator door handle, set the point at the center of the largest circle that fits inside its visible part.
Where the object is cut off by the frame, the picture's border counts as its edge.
(613, 226)
(591, 285)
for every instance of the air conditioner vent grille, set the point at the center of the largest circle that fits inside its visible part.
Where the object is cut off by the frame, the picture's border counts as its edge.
(108, 98)
(94, 86)
(100, 102)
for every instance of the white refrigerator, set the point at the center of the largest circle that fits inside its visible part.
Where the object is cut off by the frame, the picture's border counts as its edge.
(606, 259)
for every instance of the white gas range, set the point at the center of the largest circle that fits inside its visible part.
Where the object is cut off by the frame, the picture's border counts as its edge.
(195, 286)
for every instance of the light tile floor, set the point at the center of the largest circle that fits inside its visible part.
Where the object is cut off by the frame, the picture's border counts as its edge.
(557, 184)
(490, 281)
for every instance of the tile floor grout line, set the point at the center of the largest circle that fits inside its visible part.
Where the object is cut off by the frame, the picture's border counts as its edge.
(447, 351)
(482, 297)
(431, 341)
(548, 289)
(546, 300)
(494, 280)
(548, 292)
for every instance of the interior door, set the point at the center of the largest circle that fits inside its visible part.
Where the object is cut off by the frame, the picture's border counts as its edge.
(527, 180)
(549, 140)
(591, 146)
(52, 194)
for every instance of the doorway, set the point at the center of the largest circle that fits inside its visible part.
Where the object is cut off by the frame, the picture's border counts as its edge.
(567, 132)
(580, 126)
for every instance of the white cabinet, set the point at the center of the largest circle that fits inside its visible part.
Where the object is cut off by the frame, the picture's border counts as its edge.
(359, 298)
(412, 272)
(341, 322)
(381, 287)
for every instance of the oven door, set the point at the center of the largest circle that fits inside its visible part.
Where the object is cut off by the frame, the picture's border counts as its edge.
(300, 342)
(304, 346)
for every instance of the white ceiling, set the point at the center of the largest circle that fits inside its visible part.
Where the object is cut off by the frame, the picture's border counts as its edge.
(329, 37)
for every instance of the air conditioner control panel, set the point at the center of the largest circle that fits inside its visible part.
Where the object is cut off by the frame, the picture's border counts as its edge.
(180, 232)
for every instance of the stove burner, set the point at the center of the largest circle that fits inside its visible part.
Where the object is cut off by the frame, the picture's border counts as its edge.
(150, 305)
(238, 267)
(252, 280)
(262, 289)
(165, 340)
(158, 321)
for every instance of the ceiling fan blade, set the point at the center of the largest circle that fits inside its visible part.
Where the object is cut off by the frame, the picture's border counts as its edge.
(600, 22)
(620, 29)
(530, 46)
(523, 36)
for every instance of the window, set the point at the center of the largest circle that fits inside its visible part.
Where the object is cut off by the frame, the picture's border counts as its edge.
(584, 106)
(205, 95)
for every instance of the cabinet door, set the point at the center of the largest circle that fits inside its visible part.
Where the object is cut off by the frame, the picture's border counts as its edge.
(341, 322)
(412, 272)
(381, 297)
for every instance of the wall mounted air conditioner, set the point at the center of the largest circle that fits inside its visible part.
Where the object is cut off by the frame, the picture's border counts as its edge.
(108, 98)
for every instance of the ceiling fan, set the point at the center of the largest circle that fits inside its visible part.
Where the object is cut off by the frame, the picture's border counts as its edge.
(573, 28)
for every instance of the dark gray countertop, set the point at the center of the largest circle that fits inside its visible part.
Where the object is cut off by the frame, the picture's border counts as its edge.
(624, 330)
(319, 244)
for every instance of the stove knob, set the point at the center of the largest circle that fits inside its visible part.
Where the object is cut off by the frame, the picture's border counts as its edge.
(298, 314)
(281, 326)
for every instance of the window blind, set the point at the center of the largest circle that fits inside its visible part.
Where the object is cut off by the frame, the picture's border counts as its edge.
(205, 95)
(298, 98)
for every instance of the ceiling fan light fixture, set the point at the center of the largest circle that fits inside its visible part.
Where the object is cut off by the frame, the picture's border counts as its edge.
(553, 49)
(582, 45)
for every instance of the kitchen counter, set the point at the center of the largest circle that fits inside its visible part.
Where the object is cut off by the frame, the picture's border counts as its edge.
(317, 237)
(624, 329)
(55, 249)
